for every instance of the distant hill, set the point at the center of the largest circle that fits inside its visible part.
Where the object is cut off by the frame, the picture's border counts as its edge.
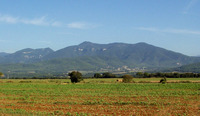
(2, 54)
(89, 56)
(84, 49)
(195, 68)
(27, 55)
(140, 54)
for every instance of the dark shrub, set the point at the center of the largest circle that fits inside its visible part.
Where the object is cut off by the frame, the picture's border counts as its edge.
(75, 76)
(127, 78)
(163, 81)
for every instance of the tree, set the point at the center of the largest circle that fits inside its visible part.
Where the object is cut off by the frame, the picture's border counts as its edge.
(127, 78)
(146, 75)
(108, 75)
(159, 74)
(140, 74)
(97, 75)
(1, 74)
(176, 75)
(75, 76)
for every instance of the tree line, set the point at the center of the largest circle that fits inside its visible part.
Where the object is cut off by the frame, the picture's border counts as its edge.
(150, 75)
(76, 76)
(168, 75)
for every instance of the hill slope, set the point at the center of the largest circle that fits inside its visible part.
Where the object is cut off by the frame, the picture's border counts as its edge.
(195, 68)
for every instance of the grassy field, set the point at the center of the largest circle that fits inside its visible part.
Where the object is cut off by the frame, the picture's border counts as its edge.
(99, 97)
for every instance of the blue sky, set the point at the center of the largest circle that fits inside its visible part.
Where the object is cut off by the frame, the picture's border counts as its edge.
(170, 24)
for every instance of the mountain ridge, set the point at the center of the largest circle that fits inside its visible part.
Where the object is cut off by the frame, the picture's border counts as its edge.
(95, 57)
(27, 55)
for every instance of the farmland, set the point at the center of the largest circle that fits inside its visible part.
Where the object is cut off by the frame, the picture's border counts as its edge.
(99, 97)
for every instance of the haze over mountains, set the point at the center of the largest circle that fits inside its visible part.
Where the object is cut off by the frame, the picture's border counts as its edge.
(91, 56)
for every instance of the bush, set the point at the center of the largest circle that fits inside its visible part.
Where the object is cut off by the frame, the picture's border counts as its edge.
(75, 76)
(127, 78)
(163, 81)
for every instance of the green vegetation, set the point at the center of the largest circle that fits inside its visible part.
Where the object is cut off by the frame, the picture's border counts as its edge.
(141, 80)
(91, 57)
(108, 75)
(97, 75)
(104, 75)
(163, 81)
(127, 78)
(75, 76)
(189, 68)
(1, 74)
(60, 97)
(168, 75)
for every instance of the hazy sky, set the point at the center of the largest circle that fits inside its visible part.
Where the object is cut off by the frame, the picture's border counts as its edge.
(170, 24)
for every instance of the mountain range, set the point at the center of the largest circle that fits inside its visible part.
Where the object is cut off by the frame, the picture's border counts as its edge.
(89, 56)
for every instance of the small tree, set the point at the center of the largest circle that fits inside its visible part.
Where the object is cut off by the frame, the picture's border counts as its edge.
(127, 78)
(1, 74)
(75, 76)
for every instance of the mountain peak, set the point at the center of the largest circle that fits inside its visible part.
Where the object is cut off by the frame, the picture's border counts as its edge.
(142, 43)
(86, 43)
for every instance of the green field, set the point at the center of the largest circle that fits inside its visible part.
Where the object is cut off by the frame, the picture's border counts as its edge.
(99, 97)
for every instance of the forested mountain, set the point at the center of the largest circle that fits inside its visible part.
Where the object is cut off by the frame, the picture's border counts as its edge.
(89, 56)
(140, 54)
(195, 68)
(27, 55)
